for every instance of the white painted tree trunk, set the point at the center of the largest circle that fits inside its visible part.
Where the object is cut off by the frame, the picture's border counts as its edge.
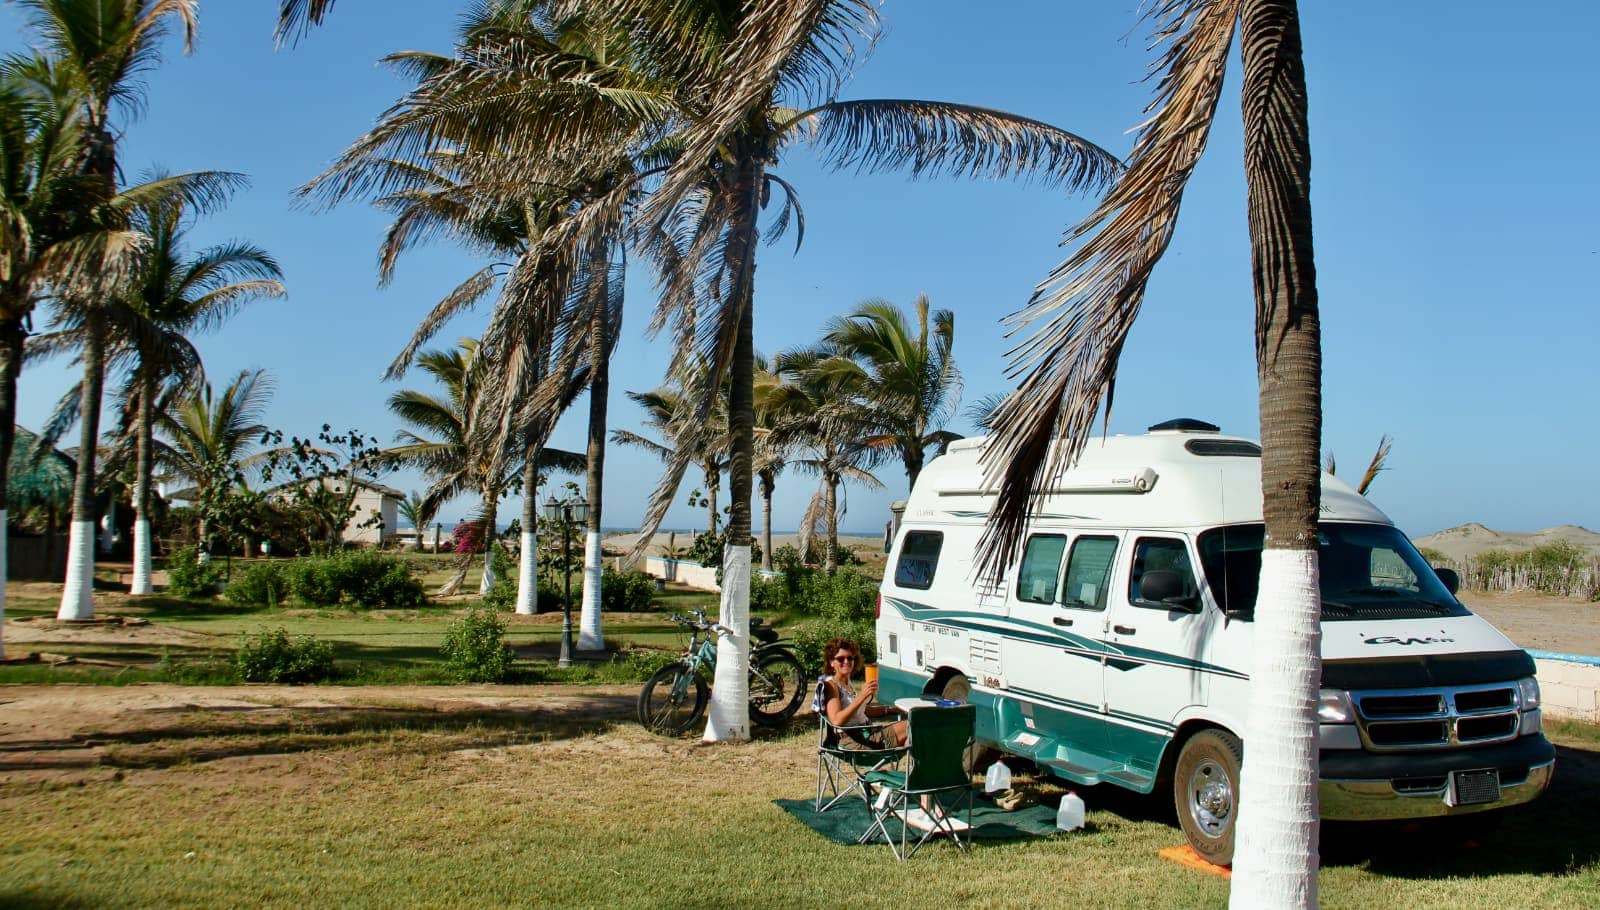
(3, 567)
(108, 527)
(488, 569)
(77, 594)
(528, 575)
(1275, 852)
(141, 557)
(589, 635)
(729, 717)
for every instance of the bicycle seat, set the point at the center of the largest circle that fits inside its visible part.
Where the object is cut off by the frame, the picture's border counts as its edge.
(760, 631)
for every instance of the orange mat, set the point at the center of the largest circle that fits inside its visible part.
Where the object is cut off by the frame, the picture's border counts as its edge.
(1185, 856)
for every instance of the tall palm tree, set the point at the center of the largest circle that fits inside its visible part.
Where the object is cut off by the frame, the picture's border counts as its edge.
(686, 436)
(104, 44)
(210, 440)
(831, 426)
(179, 294)
(903, 374)
(1079, 321)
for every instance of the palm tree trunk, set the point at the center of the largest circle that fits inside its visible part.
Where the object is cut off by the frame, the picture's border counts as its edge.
(590, 637)
(141, 486)
(491, 503)
(730, 691)
(712, 484)
(914, 462)
(528, 564)
(767, 485)
(830, 559)
(12, 335)
(1275, 862)
(77, 594)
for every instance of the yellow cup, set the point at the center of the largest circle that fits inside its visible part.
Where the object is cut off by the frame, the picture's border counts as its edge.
(870, 671)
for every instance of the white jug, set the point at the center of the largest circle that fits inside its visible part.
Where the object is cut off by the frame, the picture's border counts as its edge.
(1070, 816)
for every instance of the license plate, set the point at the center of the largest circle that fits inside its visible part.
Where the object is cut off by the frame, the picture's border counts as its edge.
(1473, 788)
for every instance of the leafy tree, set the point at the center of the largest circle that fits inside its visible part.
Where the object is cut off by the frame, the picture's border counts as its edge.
(210, 440)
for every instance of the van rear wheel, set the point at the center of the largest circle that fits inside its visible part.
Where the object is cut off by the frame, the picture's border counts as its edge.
(1205, 791)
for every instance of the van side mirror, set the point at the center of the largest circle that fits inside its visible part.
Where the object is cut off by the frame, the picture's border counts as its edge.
(1452, 581)
(1165, 587)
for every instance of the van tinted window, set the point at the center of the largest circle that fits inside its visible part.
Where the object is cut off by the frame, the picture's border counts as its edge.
(1165, 554)
(919, 556)
(1089, 572)
(1041, 565)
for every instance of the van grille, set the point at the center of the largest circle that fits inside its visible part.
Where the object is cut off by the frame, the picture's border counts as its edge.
(1397, 720)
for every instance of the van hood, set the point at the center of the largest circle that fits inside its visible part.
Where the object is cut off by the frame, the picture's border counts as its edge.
(1358, 639)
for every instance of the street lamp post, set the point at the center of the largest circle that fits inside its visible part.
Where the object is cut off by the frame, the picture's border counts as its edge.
(567, 511)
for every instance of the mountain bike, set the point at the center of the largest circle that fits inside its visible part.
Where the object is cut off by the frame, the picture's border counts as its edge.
(674, 699)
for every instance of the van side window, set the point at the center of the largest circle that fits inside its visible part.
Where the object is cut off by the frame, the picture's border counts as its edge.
(1089, 572)
(1160, 554)
(1041, 564)
(919, 556)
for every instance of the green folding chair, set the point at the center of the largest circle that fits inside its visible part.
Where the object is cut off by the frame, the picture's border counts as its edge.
(937, 740)
(842, 772)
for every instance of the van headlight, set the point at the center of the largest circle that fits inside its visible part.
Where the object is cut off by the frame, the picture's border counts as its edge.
(1528, 688)
(1334, 707)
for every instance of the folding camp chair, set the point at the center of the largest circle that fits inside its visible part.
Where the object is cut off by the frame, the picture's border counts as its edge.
(937, 740)
(842, 771)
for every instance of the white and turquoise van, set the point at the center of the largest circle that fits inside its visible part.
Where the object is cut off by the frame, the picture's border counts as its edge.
(1117, 649)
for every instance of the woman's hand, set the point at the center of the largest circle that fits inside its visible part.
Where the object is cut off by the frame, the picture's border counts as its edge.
(869, 691)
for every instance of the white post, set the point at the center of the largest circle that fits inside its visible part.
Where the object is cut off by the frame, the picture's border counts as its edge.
(729, 717)
(1275, 852)
(77, 594)
(488, 568)
(528, 576)
(141, 557)
(108, 526)
(4, 543)
(589, 636)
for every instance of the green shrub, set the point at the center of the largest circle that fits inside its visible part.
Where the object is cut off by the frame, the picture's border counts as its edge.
(262, 584)
(502, 595)
(808, 638)
(475, 648)
(630, 592)
(367, 578)
(274, 657)
(187, 576)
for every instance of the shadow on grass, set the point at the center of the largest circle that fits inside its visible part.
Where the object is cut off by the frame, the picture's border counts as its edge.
(231, 732)
(1554, 835)
(30, 899)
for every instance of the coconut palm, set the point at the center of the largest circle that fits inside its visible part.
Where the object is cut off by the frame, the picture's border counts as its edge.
(829, 426)
(103, 44)
(210, 440)
(179, 294)
(686, 436)
(902, 373)
(1078, 322)
(1374, 467)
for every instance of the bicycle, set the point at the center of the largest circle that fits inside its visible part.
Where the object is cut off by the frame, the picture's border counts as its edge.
(674, 698)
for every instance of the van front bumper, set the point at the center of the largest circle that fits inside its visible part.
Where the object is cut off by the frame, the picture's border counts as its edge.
(1365, 786)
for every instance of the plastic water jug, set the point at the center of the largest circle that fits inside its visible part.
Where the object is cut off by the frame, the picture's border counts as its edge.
(1070, 816)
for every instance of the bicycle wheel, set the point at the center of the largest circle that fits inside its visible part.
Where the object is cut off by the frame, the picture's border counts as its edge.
(777, 686)
(672, 700)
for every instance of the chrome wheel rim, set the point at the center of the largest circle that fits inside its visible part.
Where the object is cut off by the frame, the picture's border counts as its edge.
(1211, 802)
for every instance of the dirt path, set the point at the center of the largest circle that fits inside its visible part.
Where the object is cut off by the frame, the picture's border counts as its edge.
(1540, 621)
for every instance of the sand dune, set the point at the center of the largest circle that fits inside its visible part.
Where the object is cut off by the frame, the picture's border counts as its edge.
(1469, 540)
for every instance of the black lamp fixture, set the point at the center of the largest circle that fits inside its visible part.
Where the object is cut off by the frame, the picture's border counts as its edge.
(567, 512)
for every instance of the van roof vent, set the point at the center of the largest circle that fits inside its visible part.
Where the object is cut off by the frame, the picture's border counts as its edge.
(1223, 447)
(1185, 425)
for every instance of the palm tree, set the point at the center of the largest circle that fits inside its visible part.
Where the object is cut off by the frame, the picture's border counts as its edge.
(687, 437)
(179, 294)
(830, 426)
(103, 44)
(1078, 322)
(1374, 467)
(444, 454)
(210, 440)
(904, 375)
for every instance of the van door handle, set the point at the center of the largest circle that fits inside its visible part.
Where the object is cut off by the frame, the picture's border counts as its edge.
(1124, 630)
(1060, 621)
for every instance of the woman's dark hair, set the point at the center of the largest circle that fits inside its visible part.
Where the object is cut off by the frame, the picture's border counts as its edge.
(835, 645)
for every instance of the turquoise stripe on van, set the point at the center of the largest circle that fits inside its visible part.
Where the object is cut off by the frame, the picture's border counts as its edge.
(1119, 657)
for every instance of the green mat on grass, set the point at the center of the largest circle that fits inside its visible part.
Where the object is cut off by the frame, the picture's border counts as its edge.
(844, 823)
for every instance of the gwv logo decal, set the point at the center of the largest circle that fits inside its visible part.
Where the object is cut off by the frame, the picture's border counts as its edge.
(1392, 640)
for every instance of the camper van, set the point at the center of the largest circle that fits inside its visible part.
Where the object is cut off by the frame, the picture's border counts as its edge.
(1116, 649)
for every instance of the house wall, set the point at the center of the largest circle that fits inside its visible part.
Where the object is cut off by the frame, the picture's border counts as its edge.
(366, 502)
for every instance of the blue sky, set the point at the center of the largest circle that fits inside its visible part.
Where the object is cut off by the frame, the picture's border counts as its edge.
(1456, 254)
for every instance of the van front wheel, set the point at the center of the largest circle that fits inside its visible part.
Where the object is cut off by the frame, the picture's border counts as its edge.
(1205, 790)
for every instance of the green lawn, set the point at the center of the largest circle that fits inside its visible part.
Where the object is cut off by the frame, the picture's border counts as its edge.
(514, 798)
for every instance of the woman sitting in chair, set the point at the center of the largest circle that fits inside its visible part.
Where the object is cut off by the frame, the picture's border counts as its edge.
(845, 707)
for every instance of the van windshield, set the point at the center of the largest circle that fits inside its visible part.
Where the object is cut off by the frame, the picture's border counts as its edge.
(1368, 572)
